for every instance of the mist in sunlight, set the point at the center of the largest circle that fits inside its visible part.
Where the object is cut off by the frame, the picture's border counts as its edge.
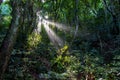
(57, 41)
(59, 26)
(54, 38)
(43, 1)
(39, 27)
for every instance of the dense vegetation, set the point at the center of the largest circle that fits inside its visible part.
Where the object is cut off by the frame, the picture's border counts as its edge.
(60, 39)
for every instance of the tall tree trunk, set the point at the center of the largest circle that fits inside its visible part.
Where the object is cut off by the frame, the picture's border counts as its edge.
(27, 22)
(10, 38)
(76, 17)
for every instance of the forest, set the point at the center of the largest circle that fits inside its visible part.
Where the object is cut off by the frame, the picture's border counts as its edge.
(59, 39)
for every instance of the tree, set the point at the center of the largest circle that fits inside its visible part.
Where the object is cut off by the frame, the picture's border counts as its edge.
(10, 38)
(22, 16)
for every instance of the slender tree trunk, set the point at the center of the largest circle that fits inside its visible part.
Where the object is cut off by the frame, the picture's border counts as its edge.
(10, 38)
(76, 17)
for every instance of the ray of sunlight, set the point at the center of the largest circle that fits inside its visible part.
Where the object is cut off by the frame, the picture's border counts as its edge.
(57, 41)
(43, 1)
(39, 27)
(54, 38)
(59, 26)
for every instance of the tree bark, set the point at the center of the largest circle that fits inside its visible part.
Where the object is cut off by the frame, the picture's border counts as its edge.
(10, 38)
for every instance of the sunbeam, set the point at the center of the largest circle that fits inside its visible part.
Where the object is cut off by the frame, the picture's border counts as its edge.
(39, 27)
(59, 26)
(57, 41)
(43, 1)
(54, 38)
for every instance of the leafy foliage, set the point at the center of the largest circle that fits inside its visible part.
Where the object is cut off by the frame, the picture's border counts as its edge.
(94, 53)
